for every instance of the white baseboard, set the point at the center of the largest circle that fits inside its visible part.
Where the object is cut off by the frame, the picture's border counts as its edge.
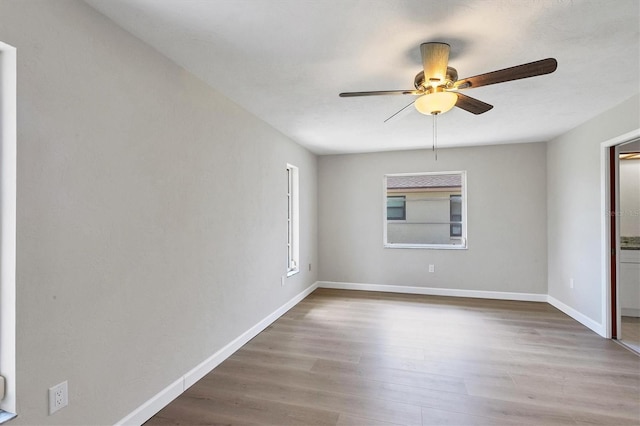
(578, 316)
(528, 297)
(171, 392)
(153, 405)
(630, 312)
(214, 360)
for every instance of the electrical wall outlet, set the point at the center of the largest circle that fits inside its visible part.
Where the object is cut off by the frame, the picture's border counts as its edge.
(58, 397)
(432, 268)
(570, 282)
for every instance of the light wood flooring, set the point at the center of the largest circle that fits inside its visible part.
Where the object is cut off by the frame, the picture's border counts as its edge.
(362, 358)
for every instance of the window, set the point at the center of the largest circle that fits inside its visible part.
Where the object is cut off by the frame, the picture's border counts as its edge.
(425, 210)
(396, 208)
(293, 265)
(8, 231)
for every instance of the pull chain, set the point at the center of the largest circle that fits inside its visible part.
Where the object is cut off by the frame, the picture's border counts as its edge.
(434, 147)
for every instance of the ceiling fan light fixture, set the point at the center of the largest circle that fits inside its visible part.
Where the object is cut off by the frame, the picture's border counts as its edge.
(436, 103)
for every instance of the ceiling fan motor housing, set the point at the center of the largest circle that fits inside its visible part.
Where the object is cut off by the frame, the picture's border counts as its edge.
(420, 84)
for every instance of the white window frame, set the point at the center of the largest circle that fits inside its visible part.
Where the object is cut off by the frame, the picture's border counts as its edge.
(293, 220)
(462, 241)
(8, 137)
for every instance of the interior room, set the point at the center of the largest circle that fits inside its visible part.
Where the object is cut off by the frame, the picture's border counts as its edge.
(629, 214)
(177, 175)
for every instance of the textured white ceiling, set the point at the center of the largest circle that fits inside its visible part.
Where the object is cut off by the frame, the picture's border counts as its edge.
(285, 61)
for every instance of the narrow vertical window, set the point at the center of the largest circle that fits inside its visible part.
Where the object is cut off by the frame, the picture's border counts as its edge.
(8, 113)
(293, 240)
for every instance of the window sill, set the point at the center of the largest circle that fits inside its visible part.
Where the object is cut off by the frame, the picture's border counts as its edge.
(427, 246)
(292, 273)
(6, 416)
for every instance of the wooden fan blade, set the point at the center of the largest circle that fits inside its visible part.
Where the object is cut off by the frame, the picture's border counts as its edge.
(398, 112)
(472, 105)
(435, 58)
(381, 92)
(532, 69)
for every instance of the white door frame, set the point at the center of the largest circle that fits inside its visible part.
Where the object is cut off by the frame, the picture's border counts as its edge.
(607, 244)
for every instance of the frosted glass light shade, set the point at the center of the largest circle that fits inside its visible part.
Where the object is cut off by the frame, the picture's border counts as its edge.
(436, 103)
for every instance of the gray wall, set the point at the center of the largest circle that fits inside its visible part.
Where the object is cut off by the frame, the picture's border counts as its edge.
(151, 215)
(506, 189)
(575, 207)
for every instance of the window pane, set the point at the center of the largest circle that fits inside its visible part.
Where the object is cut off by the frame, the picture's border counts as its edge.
(396, 208)
(455, 208)
(293, 237)
(425, 210)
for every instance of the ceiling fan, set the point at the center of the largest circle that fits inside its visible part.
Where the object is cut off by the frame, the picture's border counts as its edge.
(438, 87)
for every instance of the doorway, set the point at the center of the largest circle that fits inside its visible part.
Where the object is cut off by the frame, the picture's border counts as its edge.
(627, 228)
